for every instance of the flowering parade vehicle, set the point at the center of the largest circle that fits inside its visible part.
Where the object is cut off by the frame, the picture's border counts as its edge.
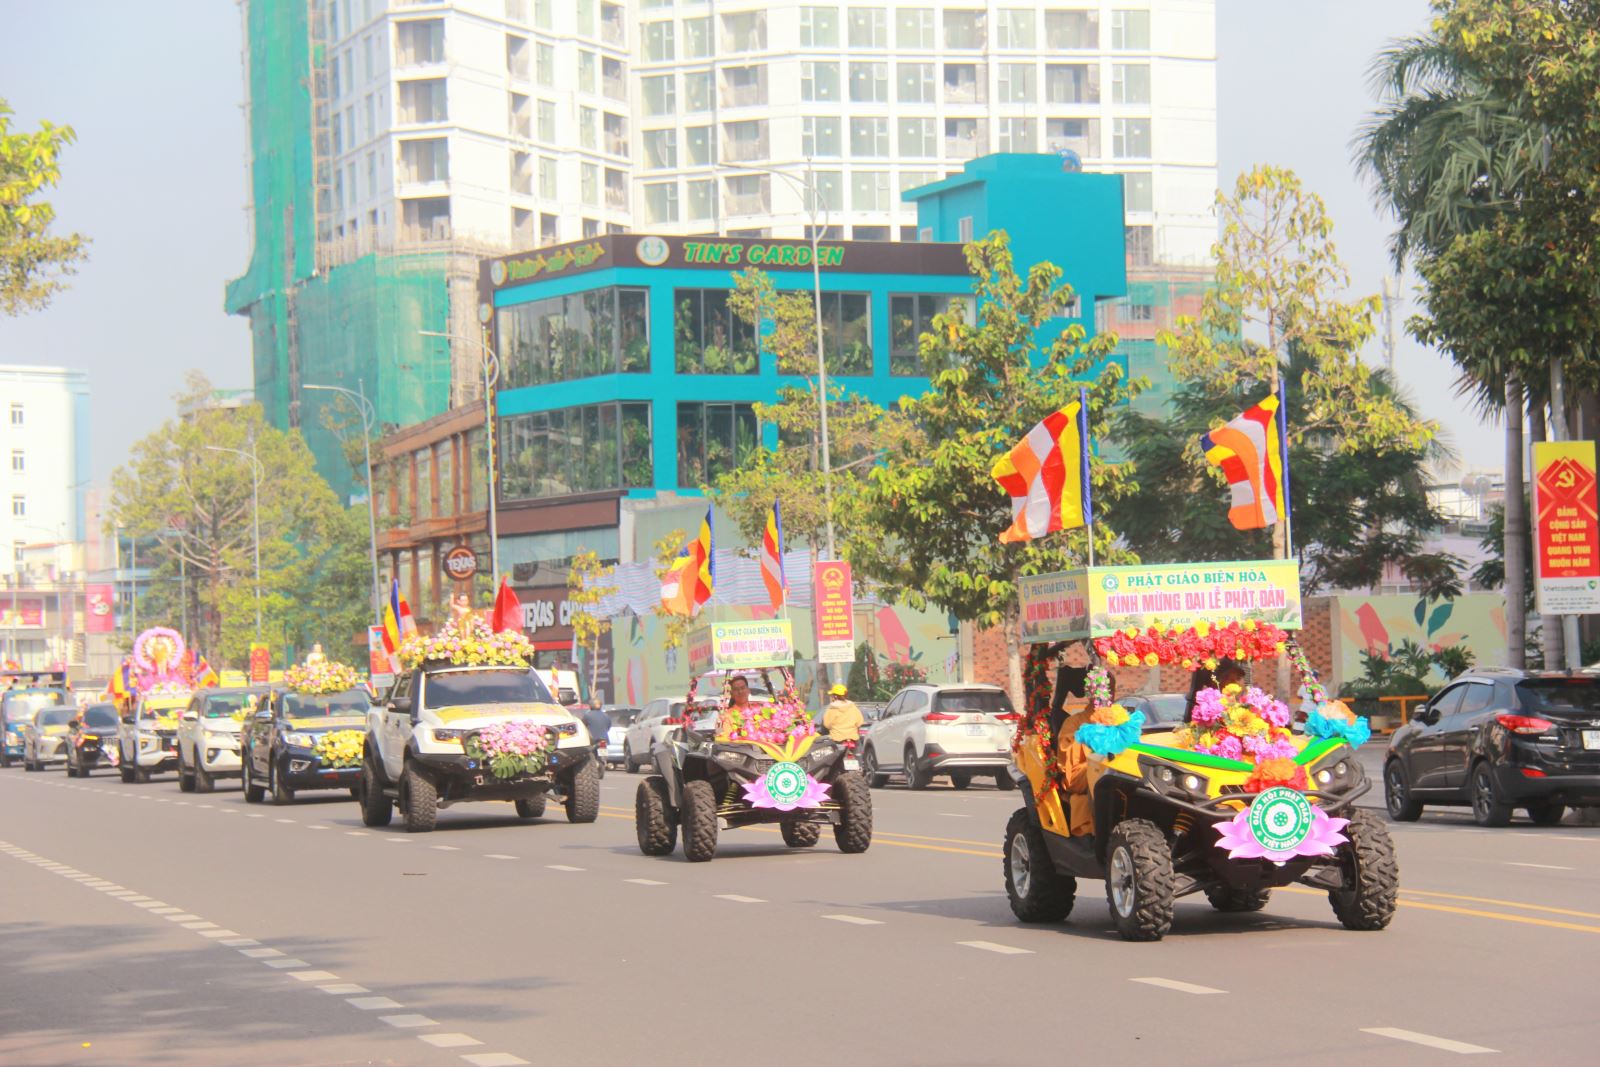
(209, 735)
(759, 762)
(1232, 803)
(306, 735)
(161, 685)
(468, 719)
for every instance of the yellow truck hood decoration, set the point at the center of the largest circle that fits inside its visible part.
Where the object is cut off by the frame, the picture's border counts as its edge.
(497, 712)
(327, 722)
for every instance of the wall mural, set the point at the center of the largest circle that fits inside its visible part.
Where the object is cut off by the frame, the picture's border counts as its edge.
(1379, 624)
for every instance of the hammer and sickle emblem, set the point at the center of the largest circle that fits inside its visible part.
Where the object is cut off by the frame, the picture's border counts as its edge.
(1566, 479)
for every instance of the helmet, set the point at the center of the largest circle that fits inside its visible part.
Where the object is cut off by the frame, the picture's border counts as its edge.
(839, 689)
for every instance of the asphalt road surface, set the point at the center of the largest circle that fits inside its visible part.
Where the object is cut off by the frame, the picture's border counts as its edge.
(140, 925)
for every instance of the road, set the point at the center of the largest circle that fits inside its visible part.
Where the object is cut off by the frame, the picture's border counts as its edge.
(141, 925)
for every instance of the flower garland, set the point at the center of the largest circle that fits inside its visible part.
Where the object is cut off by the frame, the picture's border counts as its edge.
(1200, 645)
(1241, 723)
(1335, 720)
(318, 679)
(467, 642)
(340, 748)
(1034, 730)
(510, 748)
(776, 723)
(1110, 730)
(1308, 674)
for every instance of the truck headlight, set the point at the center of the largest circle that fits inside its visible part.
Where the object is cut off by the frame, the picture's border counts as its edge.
(299, 740)
(222, 740)
(449, 737)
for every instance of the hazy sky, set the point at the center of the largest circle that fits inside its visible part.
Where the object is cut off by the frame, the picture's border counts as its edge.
(157, 179)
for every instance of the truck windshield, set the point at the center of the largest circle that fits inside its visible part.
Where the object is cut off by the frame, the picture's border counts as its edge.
(100, 717)
(222, 705)
(57, 716)
(314, 705)
(513, 686)
(20, 706)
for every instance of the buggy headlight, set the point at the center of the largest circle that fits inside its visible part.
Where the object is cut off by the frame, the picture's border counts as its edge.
(730, 758)
(1340, 774)
(1165, 778)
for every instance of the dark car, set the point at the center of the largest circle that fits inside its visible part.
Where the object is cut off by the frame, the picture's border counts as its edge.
(1162, 711)
(92, 740)
(280, 740)
(1500, 739)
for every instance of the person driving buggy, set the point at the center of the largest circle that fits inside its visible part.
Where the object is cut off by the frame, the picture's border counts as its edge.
(1228, 672)
(1074, 757)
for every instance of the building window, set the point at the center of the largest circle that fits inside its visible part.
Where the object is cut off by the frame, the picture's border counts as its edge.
(1130, 31)
(964, 229)
(522, 173)
(1137, 192)
(819, 136)
(710, 338)
(963, 29)
(661, 202)
(19, 506)
(697, 91)
(423, 101)
(869, 138)
(517, 63)
(847, 332)
(869, 83)
(18, 551)
(588, 72)
(1072, 83)
(918, 139)
(698, 140)
(589, 184)
(913, 28)
(425, 161)
(1072, 29)
(660, 94)
(1018, 83)
(914, 83)
(545, 64)
(869, 189)
(714, 439)
(1141, 244)
(658, 42)
(1018, 135)
(1130, 138)
(575, 450)
(16, 413)
(616, 131)
(963, 83)
(547, 178)
(697, 38)
(580, 335)
(819, 81)
(1130, 83)
(748, 194)
(19, 463)
(869, 27)
(699, 203)
(547, 123)
(522, 231)
(911, 316)
(744, 86)
(819, 27)
(745, 142)
(965, 138)
(1014, 28)
(1078, 135)
(869, 233)
(661, 149)
(744, 32)
(911, 179)
(613, 78)
(419, 42)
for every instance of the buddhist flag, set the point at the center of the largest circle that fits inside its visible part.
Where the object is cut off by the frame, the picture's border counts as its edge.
(1047, 475)
(688, 584)
(1250, 452)
(119, 682)
(397, 623)
(772, 559)
(205, 675)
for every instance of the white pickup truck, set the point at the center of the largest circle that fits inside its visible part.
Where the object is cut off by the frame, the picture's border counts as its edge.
(421, 738)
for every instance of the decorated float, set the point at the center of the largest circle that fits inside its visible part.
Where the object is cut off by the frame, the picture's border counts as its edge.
(757, 761)
(1233, 802)
(155, 685)
(309, 735)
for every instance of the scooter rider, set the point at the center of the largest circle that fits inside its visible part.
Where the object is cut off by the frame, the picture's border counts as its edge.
(842, 719)
(598, 723)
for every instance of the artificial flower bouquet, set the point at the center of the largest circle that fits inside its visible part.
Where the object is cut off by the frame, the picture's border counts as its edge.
(773, 724)
(320, 679)
(467, 642)
(1248, 725)
(1201, 645)
(512, 748)
(340, 748)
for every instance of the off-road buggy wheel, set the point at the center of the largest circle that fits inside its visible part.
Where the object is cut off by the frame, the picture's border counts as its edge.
(531, 807)
(1139, 880)
(1037, 891)
(699, 821)
(253, 793)
(800, 834)
(420, 800)
(583, 795)
(1549, 813)
(853, 832)
(376, 809)
(869, 769)
(1370, 864)
(1237, 898)
(653, 821)
(1397, 796)
(185, 776)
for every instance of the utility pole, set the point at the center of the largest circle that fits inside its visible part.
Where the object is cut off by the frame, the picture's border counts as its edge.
(1516, 530)
(1559, 432)
(1391, 298)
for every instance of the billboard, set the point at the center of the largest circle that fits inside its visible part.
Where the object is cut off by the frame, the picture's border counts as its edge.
(1566, 555)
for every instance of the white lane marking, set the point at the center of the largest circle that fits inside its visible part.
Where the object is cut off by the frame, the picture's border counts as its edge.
(444, 848)
(314, 826)
(1181, 987)
(202, 805)
(356, 833)
(281, 964)
(1540, 866)
(737, 899)
(254, 815)
(136, 900)
(314, 976)
(200, 925)
(259, 953)
(224, 811)
(181, 803)
(954, 815)
(235, 942)
(344, 989)
(856, 920)
(407, 1022)
(449, 1040)
(151, 904)
(498, 856)
(1004, 950)
(398, 840)
(219, 934)
(169, 910)
(183, 917)
(495, 1059)
(643, 881)
(285, 820)
(373, 1003)
(1444, 1044)
(561, 867)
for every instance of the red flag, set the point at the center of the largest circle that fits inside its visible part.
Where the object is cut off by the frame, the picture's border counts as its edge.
(507, 613)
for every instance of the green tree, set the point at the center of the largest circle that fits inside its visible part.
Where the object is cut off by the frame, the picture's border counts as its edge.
(32, 261)
(932, 510)
(587, 589)
(195, 505)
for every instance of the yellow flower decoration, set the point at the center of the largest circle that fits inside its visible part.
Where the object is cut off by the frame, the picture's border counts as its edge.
(1152, 660)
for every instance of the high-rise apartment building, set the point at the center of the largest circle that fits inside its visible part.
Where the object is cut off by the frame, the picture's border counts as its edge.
(392, 140)
(44, 463)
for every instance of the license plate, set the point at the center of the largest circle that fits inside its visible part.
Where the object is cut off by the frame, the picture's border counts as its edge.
(851, 763)
(1591, 739)
(976, 729)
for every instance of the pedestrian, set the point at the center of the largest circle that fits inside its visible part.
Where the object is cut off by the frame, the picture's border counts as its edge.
(842, 719)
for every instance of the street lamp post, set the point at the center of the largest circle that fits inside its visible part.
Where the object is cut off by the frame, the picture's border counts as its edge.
(491, 377)
(255, 515)
(369, 419)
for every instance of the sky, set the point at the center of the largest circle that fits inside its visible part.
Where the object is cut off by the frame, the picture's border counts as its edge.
(157, 179)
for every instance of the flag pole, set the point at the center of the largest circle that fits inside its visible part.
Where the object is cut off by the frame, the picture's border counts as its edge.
(1083, 439)
(1283, 448)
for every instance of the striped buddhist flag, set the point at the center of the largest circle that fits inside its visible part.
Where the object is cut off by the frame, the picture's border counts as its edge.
(397, 623)
(1249, 450)
(1047, 475)
(772, 560)
(689, 583)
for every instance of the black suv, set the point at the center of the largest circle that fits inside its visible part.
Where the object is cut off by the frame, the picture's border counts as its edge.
(1499, 739)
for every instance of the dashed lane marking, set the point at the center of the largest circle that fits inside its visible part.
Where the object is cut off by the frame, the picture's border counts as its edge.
(738, 899)
(314, 976)
(344, 989)
(1180, 987)
(199, 925)
(498, 856)
(285, 820)
(235, 942)
(1444, 1044)
(282, 964)
(643, 881)
(495, 1059)
(218, 935)
(990, 946)
(1539, 866)
(260, 953)
(449, 1040)
(373, 1003)
(445, 848)
(407, 1022)
(356, 833)
(855, 920)
(561, 867)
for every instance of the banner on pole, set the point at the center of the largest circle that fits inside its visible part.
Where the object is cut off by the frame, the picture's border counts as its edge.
(99, 611)
(260, 664)
(1099, 601)
(1566, 529)
(833, 598)
(378, 665)
(749, 645)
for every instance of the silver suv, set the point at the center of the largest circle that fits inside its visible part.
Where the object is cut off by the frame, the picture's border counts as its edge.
(927, 730)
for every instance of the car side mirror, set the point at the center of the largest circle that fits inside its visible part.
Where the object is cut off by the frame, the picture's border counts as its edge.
(190, 716)
(1428, 716)
(401, 704)
(126, 719)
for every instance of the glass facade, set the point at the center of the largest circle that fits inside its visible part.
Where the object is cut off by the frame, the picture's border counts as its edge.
(710, 338)
(713, 439)
(911, 316)
(602, 331)
(575, 450)
(847, 332)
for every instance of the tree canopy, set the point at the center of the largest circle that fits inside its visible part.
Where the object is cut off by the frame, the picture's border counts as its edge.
(32, 260)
